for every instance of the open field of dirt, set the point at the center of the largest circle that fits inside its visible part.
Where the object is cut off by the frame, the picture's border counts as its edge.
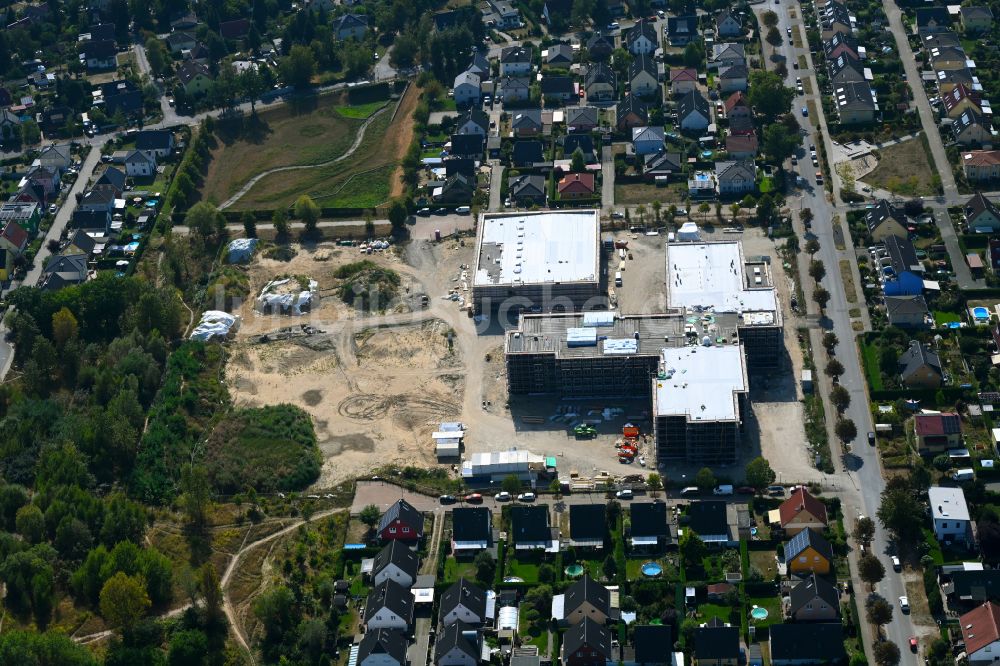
(903, 168)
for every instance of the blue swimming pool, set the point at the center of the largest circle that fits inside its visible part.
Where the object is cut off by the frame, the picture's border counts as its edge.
(651, 569)
(980, 313)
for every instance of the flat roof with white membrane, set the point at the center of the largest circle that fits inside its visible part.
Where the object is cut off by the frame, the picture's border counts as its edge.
(537, 248)
(701, 382)
(711, 275)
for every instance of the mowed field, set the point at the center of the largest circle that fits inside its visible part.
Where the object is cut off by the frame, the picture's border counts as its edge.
(904, 168)
(310, 132)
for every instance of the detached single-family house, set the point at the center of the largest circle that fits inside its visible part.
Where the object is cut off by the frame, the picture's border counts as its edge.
(63, 270)
(742, 146)
(682, 30)
(814, 599)
(559, 56)
(467, 88)
(581, 118)
(856, 103)
(932, 20)
(514, 89)
(92, 220)
(972, 129)
(23, 214)
(155, 143)
(885, 220)
(471, 529)
(99, 54)
(467, 145)
(600, 83)
(479, 64)
(648, 525)
(647, 140)
(587, 525)
(736, 177)
(950, 514)
(57, 156)
(586, 599)
(10, 125)
(515, 61)
(194, 77)
(530, 530)
(350, 26)
(728, 24)
(382, 647)
(726, 54)
(13, 238)
(473, 121)
(661, 166)
(396, 562)
(920, 367)
(140, 165)
(458, 645)
(693, 112)
(178, 42)
(976, 20)
(389, 606)
(936, 433)
(576, 186)
(737, 107)
(526, 122)
(642, 76)
(587, 644)
(463, 602)
(558, 88)
(630, 113)
(112, 177)
(733, 77)
(802, 511)
(907, 311)
(798, 644)
(653, 644)
(584, 142)
(981, 632)
(717, 645)
(981, 214)
(642, 39)
(600, 46)
(708, 520)
(527, 190)
(527, 154)
(401, 521)
(808, 552)
(981, 165)
(683, 81)
(457, 189)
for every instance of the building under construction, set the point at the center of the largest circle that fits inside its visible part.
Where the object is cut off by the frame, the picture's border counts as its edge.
(713, 279)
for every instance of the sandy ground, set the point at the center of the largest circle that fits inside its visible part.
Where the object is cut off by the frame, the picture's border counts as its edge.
(402, 131)
(378, 385)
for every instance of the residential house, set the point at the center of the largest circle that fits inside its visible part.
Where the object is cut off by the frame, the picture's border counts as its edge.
(901, 270)
(195, 78)
(186, 21)
(140, 165)
(24, 214)
(479, 64)
(382, 647)
(112, 177)
(56, 156)
(842, 44)
(10, 125)
(467, 145)
(648, 525)
(587, 526)
(587, 644)
(515, 61)
(962, 98)
(471, 530)
(907, 311)
(643, 77)
(576, 186)
(647, 140)
(63, 270)
(920, 367)
(527, 154)
(972, 129)
(401, 521)
(559, 56)
(834, 18)
(178, 42)
(642, 39)
(457, 189)
(155, 143)
(467, 88)
(234, 30)
(13, 238)
(947, 79)
(948, 58)
(708, 520)
(463, 602)
(653, 644)
(808, 552)
(981, 214)
(121, 97)
(683, 81)
(728, 24)
(733, 77)
(47, 177)
(527, 190)
(586, 599)
(717, 645)
(976, 20)
(856, 103)
(981, 632)
(950, 514)
(682, 30)
(389, 606)
(802, 511)
(526, 122)
(814, 599)
(846, 69)
(933, 20)
(600, 46)
(737, 106)
(30, 191)
(501, 14)
(396, 562)
(99, 55)
(742, 146)
(473, 121)
(798, 644)
(981, 165)
(514, 89)
(693, 113)
(530, 530)
(736, 177)
(584, 142)
(581, 118)
(80, 243)
(970, 586)
(600, 83)
(937, 433)
(458, 645)
(661, 166)
(717, 592)
(558, 88)
(630, 113)
(726, 54)
(92, 220)
(885, 220)
(55, 118)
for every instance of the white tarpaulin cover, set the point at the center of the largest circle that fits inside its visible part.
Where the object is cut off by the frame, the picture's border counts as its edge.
(240, 250)
(286, 302)
(215, 324)
(688, 232)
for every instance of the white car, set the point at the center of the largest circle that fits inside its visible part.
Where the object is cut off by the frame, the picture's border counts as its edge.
(896, 565)
(503, 497)
(624, 494)
(526, 497)
(904, 604)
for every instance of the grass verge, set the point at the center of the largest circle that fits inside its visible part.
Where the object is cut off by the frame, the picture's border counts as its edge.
(848, 279)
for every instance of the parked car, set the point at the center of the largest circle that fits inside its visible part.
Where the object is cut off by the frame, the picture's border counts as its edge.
(871, 438)
(690, 490)
(624, 494)
(447, 499)
(776, 490)
(503, 496)
(914, 644)
(474, 498)
(896, 565)
(526, 497)
(904, 604)
(424, 212)
(746, 490)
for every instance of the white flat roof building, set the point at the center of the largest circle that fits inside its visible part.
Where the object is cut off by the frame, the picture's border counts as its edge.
(947, 503)
(711, 275)
(701, 382)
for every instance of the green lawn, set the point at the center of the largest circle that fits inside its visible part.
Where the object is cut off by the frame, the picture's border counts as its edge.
(941, 318)
(360, 111)
(526, 571)
(869, 355)
(534, 634)
(453, 570)
(773, 606)
(708, 611)
(766, 185)
(362, 190)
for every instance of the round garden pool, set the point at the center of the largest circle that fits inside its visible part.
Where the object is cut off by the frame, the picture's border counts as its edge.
(651, 569)
(574, 570)
(759, 613)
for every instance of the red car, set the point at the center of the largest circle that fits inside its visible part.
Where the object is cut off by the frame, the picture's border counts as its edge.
(745, 490)
(474, 498)
(913, 644)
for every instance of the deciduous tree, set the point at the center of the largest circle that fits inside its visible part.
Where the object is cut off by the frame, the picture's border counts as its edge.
(870, 570)
(759, 473)
(124, 601)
